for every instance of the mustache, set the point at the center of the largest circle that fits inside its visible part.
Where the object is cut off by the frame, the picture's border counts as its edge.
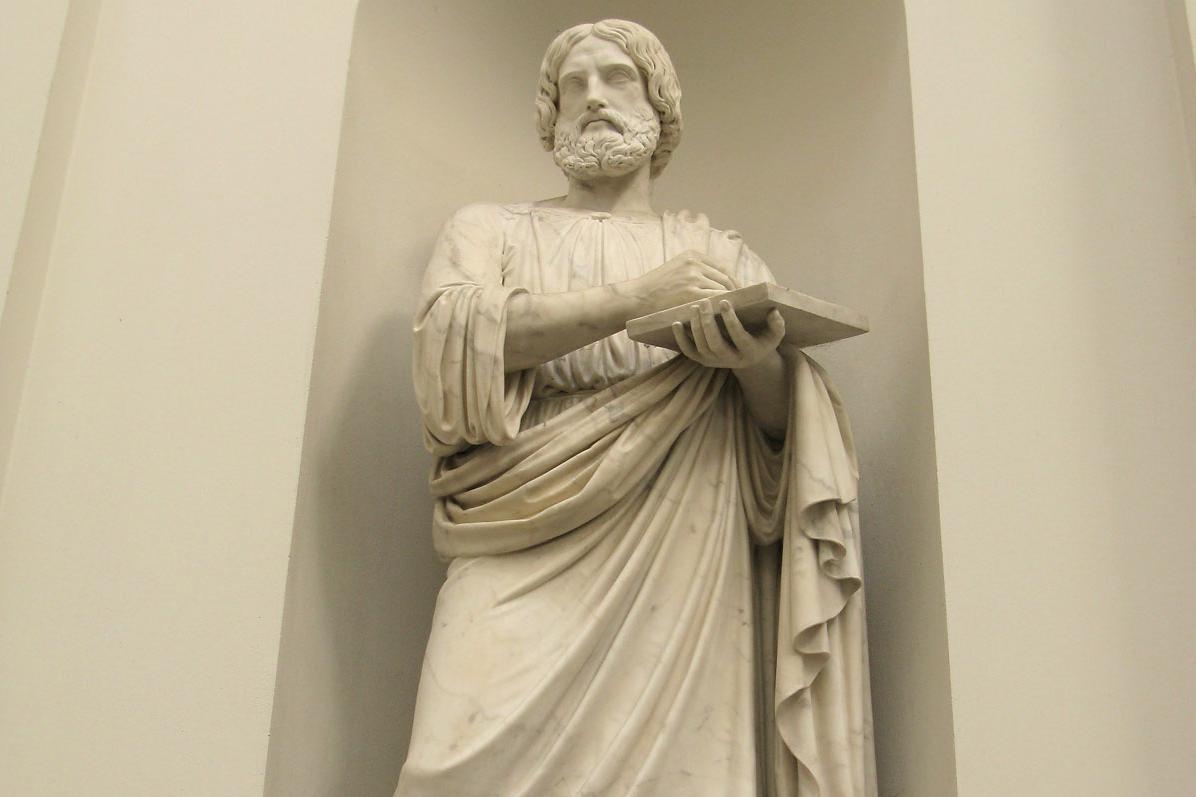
(616, 119)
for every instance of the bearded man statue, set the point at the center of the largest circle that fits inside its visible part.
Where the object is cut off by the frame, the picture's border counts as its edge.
(654, 579)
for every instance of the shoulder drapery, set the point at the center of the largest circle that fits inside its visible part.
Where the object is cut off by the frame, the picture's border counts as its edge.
(556, 477)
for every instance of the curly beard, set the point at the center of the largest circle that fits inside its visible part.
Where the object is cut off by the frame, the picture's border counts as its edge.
(606, 153)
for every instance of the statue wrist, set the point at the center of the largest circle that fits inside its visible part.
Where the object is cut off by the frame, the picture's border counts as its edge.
(628, 299)
(765, 364)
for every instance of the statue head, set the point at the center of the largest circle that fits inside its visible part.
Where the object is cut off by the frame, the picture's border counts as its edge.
(600, 139)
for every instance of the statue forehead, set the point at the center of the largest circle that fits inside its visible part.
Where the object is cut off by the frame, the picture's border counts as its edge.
(594, 50)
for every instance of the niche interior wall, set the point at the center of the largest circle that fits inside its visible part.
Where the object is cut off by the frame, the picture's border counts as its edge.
(798, 134)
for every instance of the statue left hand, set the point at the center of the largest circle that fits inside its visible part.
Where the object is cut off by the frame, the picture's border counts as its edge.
(711, 348)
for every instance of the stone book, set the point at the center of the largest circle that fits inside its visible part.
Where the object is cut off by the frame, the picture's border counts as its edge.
(808, 321)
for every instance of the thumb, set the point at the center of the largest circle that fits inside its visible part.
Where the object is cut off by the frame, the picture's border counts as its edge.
(776, 327)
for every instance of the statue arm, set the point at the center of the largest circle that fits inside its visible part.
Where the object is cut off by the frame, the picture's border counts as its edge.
(765, 387)
(765, 384)
(542, 327)
(754, 360)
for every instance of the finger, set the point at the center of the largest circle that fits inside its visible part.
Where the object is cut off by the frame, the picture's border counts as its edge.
(776, 328)
(714, 336)
(716, 275)
(716, 280)
(709, 285)
(683, 342)
(725, 273)
(699, 334)
(726, 269)
(741, 337)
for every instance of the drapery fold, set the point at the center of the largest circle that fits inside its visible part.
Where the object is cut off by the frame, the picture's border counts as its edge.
(646, 594)
(822, 704)
(560, 475)
(465, 395)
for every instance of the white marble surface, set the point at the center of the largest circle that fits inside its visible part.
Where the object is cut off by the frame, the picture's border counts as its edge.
(647, 595)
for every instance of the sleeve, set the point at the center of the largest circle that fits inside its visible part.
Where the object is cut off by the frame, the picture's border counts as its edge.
(465, 395)
(729, 247)
(752, 269)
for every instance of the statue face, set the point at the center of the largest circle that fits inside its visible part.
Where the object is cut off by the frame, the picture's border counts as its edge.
(605, 125)
(597, 74)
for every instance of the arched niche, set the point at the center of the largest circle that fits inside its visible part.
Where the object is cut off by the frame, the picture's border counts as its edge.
(799, 135)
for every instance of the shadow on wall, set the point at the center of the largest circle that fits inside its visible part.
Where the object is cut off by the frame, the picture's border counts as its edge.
(363, 574)
(376, 574)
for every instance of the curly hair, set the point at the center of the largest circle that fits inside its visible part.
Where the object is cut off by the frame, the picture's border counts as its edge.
(649, 56)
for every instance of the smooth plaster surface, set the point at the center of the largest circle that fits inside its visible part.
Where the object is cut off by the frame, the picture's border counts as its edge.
(805, 147)
(1057, 215)
(1181, 14)
(40, 139)
(29, 45)
(147, 511)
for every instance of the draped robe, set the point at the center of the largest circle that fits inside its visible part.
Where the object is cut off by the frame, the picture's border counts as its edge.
(646, 595)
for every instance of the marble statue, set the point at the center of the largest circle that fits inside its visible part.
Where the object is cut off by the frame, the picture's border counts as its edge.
(654, 579)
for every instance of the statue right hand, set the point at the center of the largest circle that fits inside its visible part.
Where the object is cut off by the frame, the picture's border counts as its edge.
(689, 277)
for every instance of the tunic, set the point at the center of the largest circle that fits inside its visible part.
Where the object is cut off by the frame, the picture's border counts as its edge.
(645, 594)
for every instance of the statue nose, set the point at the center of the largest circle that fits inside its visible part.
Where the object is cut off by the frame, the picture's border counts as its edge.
(595, 102)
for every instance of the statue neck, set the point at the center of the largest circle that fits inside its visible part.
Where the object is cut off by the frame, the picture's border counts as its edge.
(627, 193)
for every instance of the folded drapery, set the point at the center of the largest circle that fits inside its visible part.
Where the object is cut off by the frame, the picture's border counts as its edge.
(584, 474)
(646, 595)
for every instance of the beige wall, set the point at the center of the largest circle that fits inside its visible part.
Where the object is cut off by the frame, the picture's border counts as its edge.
(799, 135)
(1060, 268)
(1182, 18)
(157, 341)
(46, 72)
(29, 43)
(843, 168)
(146, 515)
